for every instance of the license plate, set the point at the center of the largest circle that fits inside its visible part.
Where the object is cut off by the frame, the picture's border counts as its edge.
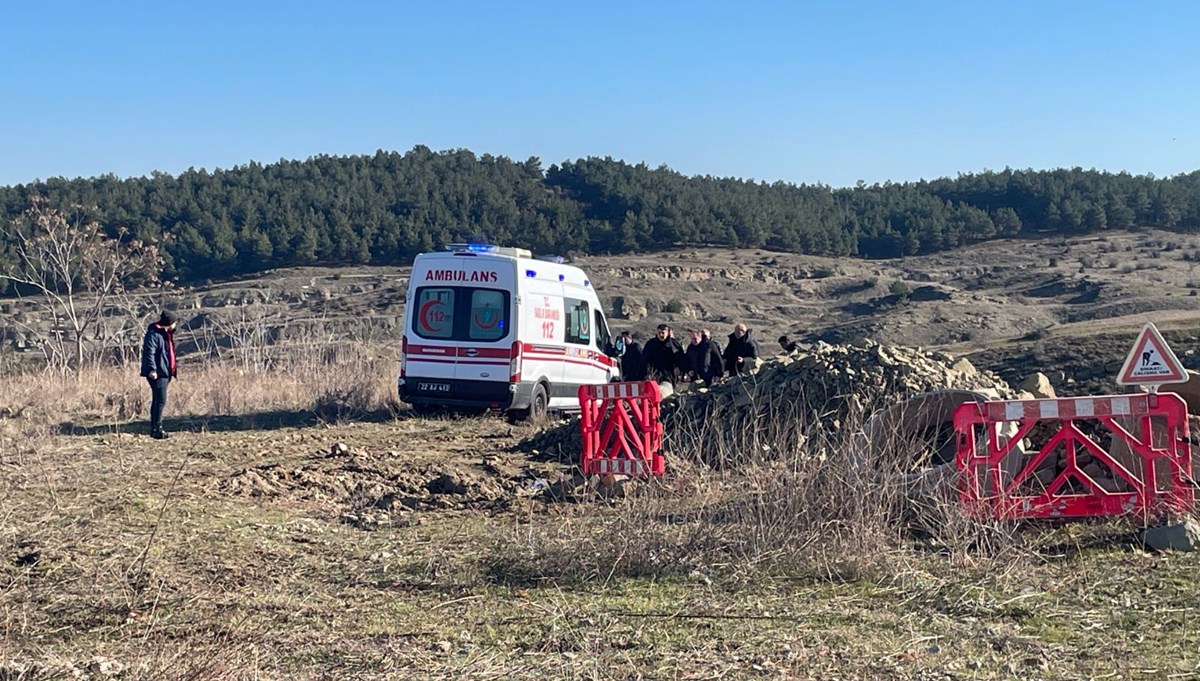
(433, 387)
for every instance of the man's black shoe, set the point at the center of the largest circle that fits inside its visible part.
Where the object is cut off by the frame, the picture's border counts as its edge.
(159, 435)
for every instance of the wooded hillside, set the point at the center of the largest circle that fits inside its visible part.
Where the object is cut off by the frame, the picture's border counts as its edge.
(386, 207)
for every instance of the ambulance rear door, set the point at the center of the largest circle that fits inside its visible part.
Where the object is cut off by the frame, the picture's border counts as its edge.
(485, 348)
(430, 350)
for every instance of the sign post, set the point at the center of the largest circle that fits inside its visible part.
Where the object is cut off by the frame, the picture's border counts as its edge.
(1151, 362)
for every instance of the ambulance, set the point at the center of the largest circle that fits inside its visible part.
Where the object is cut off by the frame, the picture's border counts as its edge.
(494, 328)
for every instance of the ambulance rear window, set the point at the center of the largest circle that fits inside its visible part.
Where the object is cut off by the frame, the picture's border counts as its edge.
(435, 313)
(488, 315)
(462, 313)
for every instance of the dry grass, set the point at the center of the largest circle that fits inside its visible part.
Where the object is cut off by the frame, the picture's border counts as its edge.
(779, 498)
(333, 384)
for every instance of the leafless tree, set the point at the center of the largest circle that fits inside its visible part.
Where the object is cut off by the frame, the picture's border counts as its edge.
(73, 269)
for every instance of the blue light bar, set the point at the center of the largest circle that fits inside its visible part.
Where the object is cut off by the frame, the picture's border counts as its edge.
(482, 248)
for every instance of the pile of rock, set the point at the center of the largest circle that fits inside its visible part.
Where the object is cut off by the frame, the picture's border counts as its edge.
(559, 442)
(836, 386)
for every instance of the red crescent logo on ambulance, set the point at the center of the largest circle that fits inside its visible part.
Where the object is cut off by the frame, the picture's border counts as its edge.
(426, 314)
(486, 318)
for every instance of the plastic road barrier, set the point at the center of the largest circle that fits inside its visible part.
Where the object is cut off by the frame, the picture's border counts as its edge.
(1145, 469)
(622, 432)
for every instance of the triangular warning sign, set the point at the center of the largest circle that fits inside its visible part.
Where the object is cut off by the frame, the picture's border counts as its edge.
(1151, 362)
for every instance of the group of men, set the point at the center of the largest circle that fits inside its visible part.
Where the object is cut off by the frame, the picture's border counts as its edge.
(664, 359)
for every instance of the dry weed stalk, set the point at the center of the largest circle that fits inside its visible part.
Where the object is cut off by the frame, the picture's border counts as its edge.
(777, 496)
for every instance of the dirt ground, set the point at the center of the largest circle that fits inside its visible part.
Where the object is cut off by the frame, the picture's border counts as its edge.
(367, 551)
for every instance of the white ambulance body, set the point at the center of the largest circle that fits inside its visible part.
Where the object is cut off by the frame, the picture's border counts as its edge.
(495, 328)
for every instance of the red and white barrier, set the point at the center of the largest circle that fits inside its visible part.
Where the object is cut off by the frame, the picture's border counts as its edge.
(622, 432)
(1149, 457)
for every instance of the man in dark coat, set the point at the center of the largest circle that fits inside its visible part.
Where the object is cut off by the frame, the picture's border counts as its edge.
(707, 334)
(716, 362)
(663, 356)
(159, 367)
(741, 351)
(703, 359)
(633, 366)
(787, 344)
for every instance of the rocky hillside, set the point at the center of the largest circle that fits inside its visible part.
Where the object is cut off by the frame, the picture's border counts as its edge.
(1029, 303)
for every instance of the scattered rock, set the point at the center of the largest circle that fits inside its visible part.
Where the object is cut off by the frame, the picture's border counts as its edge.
(575, 488)
(561, 442)
(447, 483)
(1189, 391)
(1039, 386)
(1182, 536)
(339, 449)
(964, 366)
(105, 667)
(375, 485)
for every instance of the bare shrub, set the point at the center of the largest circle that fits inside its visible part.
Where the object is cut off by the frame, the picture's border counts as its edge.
(245, 337)
(346, 402)
(900, 289)
(74, 268)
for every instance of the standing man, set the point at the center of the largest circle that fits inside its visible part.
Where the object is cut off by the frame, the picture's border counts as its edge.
(633, 367)
(741, 351)
(716, 361)
(663, 356)
(701, 361)
(707, 334)
(158, 367)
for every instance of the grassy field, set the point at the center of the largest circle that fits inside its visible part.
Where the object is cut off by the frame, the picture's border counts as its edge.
(252, 546)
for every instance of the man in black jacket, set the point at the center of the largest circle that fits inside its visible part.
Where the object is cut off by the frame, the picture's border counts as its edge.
(159, 367)
(633, 366)
(787, 344)
(663, 356)
(741, 351)
(703, 359)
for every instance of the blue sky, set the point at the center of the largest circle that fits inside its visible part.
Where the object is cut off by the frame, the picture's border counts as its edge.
(802, 92)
